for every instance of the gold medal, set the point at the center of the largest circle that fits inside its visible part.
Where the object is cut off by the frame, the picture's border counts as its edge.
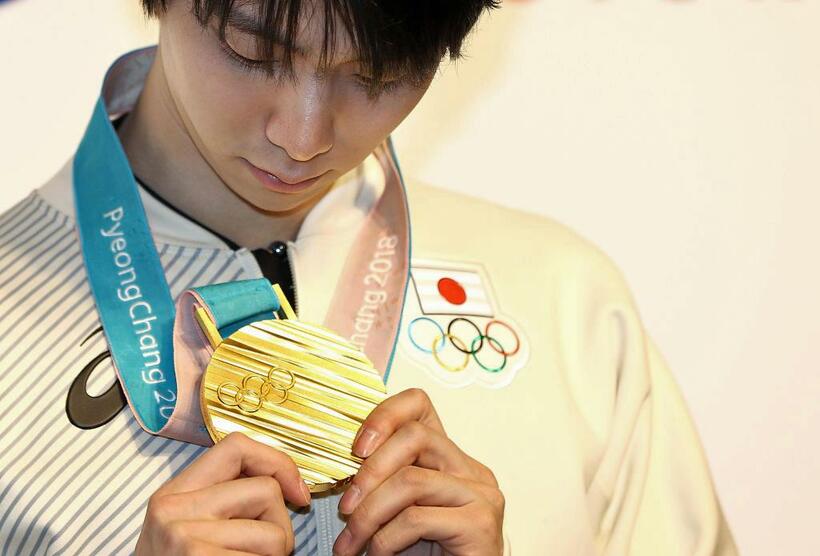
(298, 387)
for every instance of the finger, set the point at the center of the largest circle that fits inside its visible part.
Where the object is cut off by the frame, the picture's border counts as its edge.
(207, 549)
(412, 444)
(246, 535)
(410, 486)
(411, 525)
(252, 498)
(392, 413)
(471, 529)
(237, 454)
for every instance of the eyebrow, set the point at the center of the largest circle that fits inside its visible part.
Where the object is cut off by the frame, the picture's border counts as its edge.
(249, 24)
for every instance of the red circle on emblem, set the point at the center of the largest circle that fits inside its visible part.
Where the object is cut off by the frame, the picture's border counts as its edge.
(452, 291)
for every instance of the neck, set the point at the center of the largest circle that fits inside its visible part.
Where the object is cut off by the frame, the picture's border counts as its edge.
(163, 154)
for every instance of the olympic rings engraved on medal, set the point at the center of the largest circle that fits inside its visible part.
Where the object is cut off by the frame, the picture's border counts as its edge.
(249, 397)
(508, 327)
(410, 333)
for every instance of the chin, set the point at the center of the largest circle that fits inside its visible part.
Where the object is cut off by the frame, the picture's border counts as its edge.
(272, 202)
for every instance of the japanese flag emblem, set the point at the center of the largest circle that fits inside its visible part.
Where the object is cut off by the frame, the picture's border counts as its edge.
(451, 292)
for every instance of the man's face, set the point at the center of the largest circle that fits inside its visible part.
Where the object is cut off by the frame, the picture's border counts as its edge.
(316, 125)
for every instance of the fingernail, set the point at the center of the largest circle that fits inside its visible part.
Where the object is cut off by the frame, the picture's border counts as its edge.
(350, 500)
(358, 434)
(343, 542)
(366, 443)
(306, 494)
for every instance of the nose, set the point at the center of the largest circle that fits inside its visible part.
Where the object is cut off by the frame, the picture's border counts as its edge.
(302, 119)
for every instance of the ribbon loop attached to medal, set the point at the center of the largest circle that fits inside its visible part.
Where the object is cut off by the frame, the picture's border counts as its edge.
(244, 302)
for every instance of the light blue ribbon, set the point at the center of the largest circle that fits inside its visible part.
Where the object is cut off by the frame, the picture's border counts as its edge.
(127, 280)
(235, 304)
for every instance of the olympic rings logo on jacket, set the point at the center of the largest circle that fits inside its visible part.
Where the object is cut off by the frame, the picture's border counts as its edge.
(476, 345)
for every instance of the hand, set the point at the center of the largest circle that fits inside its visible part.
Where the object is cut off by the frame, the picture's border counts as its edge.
(415, 483)
(229, 501)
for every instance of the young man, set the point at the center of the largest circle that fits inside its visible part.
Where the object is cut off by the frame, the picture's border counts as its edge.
(256, 133)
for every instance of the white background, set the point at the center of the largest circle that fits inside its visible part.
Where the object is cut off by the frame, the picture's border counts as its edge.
(683, 137)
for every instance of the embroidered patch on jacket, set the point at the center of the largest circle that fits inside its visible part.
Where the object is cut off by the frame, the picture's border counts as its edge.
(453, 328)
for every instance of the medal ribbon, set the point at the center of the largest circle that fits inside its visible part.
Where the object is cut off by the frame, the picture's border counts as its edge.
(134, 300)
(124, 271)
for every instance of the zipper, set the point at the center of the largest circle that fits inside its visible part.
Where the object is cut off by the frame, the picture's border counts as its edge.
(292, 278)
(328, 523)
(274, 268)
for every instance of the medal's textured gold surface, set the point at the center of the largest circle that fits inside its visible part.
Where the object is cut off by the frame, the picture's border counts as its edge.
(295, 386)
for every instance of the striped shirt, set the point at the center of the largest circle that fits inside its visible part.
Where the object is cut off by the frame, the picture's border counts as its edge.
(65, 489)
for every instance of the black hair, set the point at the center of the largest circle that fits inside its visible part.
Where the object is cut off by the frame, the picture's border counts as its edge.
(401, 37)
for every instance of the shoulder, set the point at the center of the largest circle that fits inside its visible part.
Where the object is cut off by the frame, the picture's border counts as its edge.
(35, 227)
(28, 222)
(544, 247)
(53, 196)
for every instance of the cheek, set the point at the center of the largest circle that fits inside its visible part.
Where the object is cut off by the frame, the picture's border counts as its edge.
(219, 107)
(367, 125)
(210, 94)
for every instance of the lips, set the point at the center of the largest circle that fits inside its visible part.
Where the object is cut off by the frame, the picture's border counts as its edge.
(288, 180)
(281, 184)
